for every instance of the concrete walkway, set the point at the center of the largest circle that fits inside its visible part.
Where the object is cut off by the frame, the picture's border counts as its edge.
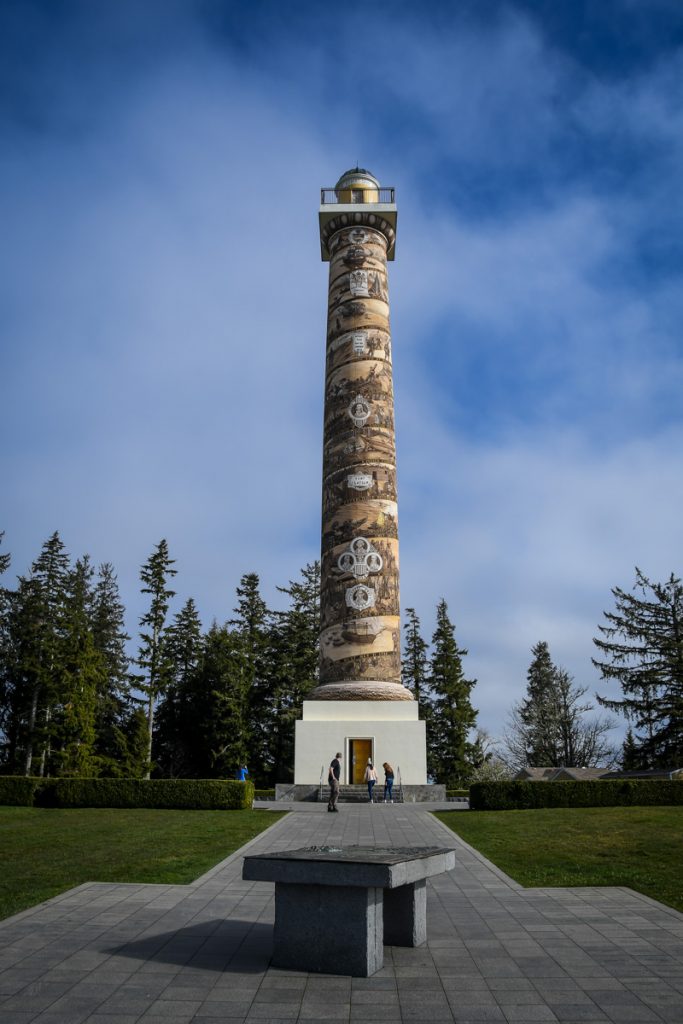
(122, 954)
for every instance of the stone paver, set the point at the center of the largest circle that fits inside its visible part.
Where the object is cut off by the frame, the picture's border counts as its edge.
(146, 954)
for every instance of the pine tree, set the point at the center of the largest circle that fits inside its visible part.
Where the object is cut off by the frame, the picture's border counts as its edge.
(5, 558)
(113, 698)
(452, 717)
(184, 644)
(81, 675)
(216, 707)
(6, 659)
(155, 575)
(539, 712)
(631, 759)
(252, 629)
(39, 622)
(552, 726)
(133, 746)
(415, 663)
(293, 656)
(642, 648)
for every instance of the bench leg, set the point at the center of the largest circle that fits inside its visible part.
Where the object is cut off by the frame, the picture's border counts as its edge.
(332, 929)
(405, 915)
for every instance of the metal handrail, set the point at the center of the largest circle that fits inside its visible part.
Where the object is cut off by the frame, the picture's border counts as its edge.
(399, 784)
(320, 791)
(333, 196)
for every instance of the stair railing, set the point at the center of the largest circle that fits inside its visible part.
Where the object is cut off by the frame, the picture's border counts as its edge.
(320, 791)
(399, 785)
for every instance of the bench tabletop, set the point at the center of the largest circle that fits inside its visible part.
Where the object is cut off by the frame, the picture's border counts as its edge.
(369, 866)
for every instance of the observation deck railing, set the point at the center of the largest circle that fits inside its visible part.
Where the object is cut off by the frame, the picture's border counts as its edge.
(334, 196)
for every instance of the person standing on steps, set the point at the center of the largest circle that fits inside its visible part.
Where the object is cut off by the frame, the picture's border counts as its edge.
(388, 782)
(333, 776)
(370, 778)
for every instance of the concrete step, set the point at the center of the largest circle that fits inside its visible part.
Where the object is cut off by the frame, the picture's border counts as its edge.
(359, 794)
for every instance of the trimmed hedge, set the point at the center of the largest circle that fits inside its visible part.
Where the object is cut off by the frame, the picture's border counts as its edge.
(457, 792)
(18, 791)
(517, 796)
(264, 794)
(180, 794)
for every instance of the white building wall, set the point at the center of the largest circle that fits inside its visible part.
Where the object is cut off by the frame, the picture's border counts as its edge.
(398, 737)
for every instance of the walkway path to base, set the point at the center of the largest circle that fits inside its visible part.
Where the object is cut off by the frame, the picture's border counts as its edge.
(123, 954)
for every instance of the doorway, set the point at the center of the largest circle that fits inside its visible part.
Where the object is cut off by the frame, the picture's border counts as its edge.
(359, 752)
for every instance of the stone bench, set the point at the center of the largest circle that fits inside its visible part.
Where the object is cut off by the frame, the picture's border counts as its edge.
(335, 907)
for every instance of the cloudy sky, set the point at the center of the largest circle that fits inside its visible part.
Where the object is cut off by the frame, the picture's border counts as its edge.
(162, 299)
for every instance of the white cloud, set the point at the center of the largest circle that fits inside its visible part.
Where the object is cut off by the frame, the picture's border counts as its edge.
(166, 316)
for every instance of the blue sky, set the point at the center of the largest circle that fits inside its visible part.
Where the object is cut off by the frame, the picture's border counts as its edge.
(162, 301)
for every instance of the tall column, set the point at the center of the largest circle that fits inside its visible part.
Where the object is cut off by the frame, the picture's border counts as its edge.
(360, 638)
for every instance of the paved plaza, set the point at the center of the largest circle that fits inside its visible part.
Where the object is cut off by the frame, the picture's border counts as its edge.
(121, 954)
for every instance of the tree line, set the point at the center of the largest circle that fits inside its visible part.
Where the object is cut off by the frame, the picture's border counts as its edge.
(198, 703)
(190, 703)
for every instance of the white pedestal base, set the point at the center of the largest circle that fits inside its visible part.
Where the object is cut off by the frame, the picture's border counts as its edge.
(393, 727)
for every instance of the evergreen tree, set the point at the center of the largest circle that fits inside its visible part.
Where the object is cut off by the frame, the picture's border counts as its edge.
(415, 663)
(252, 630)
(631, 758)
(17, 637)
(641, 647)
(81, 677)
(452, 717)
(551, 727)
(539, 712)
(6, 660)
(5, 558)
(184, 643)
(39, 623)
(152, 659)
(216, 707)
(113, 697)
(293, 656)
(133, 747)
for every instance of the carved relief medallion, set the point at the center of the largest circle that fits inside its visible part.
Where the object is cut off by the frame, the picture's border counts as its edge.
(361, 559)
(358, 236)
(359, 411)
(360, 597)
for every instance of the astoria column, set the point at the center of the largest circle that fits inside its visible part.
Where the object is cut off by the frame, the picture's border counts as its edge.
(360, 624)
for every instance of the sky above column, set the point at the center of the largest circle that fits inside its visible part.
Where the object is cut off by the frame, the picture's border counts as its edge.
(163, 300)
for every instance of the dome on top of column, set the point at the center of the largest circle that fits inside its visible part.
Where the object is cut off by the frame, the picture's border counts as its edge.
(357, 186)
(357, 176)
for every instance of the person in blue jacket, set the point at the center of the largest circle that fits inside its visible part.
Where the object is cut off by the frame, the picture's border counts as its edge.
(242, 773)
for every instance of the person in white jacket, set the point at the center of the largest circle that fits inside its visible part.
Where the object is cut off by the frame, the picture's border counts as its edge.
(370, 778)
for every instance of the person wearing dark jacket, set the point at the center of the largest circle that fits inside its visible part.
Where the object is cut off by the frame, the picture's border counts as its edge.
(333, 777)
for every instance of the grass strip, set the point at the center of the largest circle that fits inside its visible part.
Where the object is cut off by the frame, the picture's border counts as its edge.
(639, 847)
(44, 851)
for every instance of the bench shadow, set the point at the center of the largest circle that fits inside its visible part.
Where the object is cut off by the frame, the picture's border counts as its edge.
(235, 946)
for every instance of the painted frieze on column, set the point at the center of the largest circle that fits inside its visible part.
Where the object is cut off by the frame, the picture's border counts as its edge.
(360, 638)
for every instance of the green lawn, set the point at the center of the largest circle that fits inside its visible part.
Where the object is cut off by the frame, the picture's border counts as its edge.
(44, 852)
(641, 847)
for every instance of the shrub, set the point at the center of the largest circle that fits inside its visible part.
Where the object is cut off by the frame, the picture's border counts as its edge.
(515, 796)
(457, 792)
(181, 794)
(264, 794)
(18, 791)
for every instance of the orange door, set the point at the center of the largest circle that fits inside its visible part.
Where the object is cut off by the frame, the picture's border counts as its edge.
(360, 751)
